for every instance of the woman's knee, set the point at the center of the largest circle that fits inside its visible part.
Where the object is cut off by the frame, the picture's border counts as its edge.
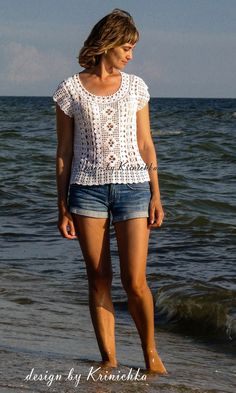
(134, 287)
(99, 281)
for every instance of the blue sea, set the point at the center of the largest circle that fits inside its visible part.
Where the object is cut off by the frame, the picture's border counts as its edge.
(45, 323)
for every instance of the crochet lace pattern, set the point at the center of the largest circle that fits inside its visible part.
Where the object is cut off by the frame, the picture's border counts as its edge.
(105, 133)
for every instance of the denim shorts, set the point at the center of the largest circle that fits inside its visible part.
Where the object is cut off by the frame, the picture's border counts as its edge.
(123, 201)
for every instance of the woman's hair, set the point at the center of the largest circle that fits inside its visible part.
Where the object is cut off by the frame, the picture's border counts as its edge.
(115, 29)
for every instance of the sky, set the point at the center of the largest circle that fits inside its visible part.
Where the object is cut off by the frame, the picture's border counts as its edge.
(187, 48)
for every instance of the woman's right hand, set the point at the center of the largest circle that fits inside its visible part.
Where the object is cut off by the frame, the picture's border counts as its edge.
(66, 226)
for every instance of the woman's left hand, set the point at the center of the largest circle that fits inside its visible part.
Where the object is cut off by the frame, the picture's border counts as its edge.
(156, 213)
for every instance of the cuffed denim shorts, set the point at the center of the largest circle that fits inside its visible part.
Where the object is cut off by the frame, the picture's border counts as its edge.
(119, 202)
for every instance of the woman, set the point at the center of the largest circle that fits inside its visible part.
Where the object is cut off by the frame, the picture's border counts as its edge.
(106, 162)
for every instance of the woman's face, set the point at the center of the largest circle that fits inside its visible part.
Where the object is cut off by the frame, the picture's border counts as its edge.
(119, 56)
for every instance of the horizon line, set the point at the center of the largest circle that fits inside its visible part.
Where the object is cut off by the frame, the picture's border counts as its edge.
(159, 97)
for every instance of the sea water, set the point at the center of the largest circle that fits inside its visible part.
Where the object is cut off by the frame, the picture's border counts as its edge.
(45, 326)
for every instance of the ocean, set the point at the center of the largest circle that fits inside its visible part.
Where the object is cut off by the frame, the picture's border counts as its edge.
(46, 336)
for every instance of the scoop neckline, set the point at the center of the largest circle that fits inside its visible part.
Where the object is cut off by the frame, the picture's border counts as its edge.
(105, 96)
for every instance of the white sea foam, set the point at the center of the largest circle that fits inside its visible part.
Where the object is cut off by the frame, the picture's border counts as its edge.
(166, 132)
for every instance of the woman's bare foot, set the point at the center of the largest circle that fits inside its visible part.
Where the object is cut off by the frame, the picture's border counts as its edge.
(109, 363)
(154, 362)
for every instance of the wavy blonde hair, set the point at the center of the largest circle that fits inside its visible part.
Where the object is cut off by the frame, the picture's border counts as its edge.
(114, 29)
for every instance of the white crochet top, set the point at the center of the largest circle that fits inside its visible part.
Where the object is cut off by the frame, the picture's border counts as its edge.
(105, 133)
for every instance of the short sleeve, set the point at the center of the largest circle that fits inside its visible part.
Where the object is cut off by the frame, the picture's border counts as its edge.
(142, 93)
(64, 99)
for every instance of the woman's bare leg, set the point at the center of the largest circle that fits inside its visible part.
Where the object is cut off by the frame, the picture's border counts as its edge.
(132, 238)
(93, 234)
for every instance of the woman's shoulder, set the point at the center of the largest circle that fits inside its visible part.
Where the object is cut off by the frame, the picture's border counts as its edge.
(136, 82)
(69, 84)
(135, 78)
(68, 80)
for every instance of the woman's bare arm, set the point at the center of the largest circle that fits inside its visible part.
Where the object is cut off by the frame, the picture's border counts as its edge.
(65, 134)
(148, 154)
